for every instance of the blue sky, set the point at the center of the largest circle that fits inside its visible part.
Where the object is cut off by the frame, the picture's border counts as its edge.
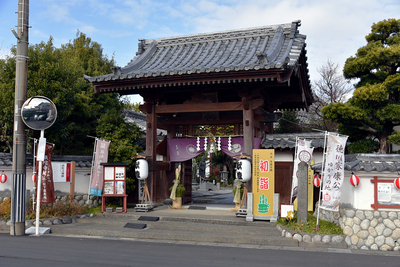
(334, 29)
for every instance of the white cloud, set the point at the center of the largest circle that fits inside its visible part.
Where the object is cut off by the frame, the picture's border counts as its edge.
(334, 29)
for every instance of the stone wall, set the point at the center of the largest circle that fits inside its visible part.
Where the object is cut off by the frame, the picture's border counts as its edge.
(366, 229)
(371, 230)
(82, 200)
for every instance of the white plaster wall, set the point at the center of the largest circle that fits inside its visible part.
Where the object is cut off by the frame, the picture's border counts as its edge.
(283, 156)
(362, 197)
(82, 177)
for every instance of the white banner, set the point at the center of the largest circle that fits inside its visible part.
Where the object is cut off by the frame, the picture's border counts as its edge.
(333, 172)
(304, 153)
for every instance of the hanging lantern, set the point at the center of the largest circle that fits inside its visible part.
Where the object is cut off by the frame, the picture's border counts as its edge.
(397, 183)
(354, 180)
(243, 170)
(3, 178)
(141, 169)
(317, 180)
(34, 177)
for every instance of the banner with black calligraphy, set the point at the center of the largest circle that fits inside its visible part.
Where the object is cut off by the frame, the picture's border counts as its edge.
(333, 172)
(47, 186)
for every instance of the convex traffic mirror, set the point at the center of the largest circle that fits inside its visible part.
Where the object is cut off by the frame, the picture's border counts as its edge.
(39, 113)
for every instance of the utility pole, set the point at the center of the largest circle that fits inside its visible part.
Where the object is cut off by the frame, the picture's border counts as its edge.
(18, 190)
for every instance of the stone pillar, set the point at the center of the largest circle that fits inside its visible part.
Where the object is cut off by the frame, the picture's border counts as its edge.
(302, 195)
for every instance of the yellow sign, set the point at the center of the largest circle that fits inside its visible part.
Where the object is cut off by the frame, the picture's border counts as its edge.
(310, 187)
(263, 181)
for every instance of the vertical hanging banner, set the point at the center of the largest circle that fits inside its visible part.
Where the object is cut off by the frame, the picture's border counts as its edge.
(101, 156)
(263, 181)
(333, 172)
(47, 186)
(304, 152)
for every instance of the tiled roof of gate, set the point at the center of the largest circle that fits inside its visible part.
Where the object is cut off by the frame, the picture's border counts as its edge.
(268, 47)
(80, 161)
(369, 162)
(288, 140)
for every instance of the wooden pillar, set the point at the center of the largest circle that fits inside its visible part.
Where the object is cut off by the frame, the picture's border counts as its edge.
(248, 130)
(72, 184)
(151, 142)
(236, 129)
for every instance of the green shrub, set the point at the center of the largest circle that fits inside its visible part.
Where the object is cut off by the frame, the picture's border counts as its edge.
(46, 210)
(325, 228)
(5, 210)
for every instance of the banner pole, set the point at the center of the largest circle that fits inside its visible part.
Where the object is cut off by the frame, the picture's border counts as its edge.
(91, 170)
(322, 181)
(294, 170)
(39, 187)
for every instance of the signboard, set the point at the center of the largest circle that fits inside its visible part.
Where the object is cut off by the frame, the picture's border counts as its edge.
(287, 211)
(263, 181)
(114, 179)
(388, 194)
(61, 172)
(384, 192)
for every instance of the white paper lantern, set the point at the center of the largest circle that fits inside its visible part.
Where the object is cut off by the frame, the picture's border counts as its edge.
(243, 170)
(141, 169)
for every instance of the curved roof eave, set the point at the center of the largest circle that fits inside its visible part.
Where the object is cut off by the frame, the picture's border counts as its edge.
(261, 48)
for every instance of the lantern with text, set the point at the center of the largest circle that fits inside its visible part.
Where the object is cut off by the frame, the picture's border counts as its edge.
(141, 169)
(34, 178)
(243, 170)
(354, 180)
(397, 183)
(317, 180)
(3, 178)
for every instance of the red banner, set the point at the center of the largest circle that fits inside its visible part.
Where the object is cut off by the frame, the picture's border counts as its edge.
(47, 187)
(101, 155)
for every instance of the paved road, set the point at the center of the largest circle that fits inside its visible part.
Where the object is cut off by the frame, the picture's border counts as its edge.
(58, 251)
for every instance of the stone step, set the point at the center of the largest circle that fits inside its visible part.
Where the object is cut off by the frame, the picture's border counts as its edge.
(268, 229)
(233, 220)
(118, 231)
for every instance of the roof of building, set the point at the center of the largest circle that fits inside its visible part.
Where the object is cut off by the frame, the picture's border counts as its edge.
(288, 140)
(268, 47)
(369, 163)
(80, 161)
(139, 120)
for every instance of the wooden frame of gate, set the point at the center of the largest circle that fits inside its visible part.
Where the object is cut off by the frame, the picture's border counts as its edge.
(245, 96)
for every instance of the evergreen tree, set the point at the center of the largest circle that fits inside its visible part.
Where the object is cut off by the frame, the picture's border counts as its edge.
(374, 109)
(57, 73)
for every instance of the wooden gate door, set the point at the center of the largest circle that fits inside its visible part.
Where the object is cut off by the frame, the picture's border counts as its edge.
(283, 181)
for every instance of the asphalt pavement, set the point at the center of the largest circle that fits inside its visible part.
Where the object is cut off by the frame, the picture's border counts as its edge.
(207, 221)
